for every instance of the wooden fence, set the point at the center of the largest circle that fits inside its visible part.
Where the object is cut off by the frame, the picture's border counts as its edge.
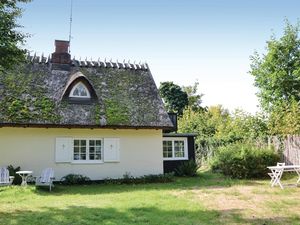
(289, 147)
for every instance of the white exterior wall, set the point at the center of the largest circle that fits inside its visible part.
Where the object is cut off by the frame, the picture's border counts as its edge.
(34, 149)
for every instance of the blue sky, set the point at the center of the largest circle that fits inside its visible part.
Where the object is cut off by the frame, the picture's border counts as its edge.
(181, 40)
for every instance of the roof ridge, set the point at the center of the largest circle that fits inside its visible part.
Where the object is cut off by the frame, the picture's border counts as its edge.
(41, 59)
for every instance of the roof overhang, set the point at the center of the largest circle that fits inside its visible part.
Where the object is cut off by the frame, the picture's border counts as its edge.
(180, 134)
(76, 126)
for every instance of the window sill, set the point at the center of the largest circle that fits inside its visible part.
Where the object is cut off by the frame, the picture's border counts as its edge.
(87, 162)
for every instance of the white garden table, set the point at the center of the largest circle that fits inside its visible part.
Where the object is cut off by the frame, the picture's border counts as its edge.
(277, 172)
(24, 174)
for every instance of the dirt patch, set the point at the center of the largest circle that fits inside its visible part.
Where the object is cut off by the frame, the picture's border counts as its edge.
(242, 201)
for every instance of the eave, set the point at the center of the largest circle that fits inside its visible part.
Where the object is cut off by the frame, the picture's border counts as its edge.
(80, 126)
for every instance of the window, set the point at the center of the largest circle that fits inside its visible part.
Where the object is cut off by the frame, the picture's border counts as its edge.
(175, 148)
(80, 91)
(87, 150)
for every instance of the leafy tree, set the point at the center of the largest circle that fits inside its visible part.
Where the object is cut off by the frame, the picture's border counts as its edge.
(10, 37)
(246, 127)
(277, 73)
(194, 99)
(206, 124)
(217, 127)
(285, 119)
(174, 97)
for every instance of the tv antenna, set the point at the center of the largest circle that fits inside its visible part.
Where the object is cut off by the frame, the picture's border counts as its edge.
(70, 30)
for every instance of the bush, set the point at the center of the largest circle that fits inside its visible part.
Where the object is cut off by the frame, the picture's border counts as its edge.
(242, 160)
(187, 168)
(72, 179)
(151, 178)
(12, 172)
(159, 178)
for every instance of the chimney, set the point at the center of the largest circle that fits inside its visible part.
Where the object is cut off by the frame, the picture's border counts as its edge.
(61, 54)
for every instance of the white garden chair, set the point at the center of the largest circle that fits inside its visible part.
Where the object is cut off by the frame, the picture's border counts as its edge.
(5, 179)
(276, 175)
(46, 178)
(272, 175)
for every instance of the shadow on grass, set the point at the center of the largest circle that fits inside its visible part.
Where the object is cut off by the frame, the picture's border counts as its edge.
(138, 215)
(204, 180)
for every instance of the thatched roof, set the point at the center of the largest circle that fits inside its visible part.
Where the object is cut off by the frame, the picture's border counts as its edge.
(124, 95)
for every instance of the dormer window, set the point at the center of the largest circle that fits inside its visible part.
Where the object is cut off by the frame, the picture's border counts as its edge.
(80, 91)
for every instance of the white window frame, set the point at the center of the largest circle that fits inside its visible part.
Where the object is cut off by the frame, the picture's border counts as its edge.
(186, 157)
(78, 96)
(88, 161)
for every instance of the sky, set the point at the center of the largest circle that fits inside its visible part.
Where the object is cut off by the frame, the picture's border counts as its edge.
(184, 41)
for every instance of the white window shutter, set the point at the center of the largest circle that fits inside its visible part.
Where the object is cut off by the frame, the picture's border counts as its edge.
(111, 149)
(63, 149)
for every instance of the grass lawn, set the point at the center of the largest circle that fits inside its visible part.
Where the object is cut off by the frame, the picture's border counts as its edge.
(205, 199)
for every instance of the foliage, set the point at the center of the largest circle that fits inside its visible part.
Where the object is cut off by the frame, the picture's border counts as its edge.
(16, 106)
(151, 178)
(277, 73)
(194, 99)
(217, 127)
(175, 98)
(188, 168)
(246, 127)
(10, 37)
(241, 160)
(285, 119)
(12, 172)
(72, 179)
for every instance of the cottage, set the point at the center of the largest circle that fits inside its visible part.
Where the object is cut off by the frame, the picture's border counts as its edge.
(97, 118)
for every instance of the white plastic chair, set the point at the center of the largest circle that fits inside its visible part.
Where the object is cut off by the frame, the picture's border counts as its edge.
(46, 178)
(5, 179)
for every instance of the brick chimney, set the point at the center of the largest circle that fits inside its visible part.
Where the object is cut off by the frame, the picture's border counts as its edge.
(61, 54)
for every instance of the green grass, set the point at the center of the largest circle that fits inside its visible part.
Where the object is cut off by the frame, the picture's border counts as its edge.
(205, 199)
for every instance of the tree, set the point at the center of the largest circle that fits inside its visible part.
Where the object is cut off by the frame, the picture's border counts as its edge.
(277, 73)
(174, 97)
(194, 99)
(217, 127)
(285, 119)
(10, 38)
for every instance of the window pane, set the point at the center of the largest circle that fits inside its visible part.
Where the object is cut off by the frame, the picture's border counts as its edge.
(179, 149)
(76, 142)
(83, 149)
(83, 142)
(98, 142)
(98, 156)
(92, 156)
(83, 157)
(76, 150)
(92, 149)
(76, 156)
(92, 142)
(167, 149)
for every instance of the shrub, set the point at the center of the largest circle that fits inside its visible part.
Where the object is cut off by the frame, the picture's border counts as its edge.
(158, 178)
(71, 179)
(187, 168)
(127, 178)
(242, 160)
(12, 172)
(151, 178)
